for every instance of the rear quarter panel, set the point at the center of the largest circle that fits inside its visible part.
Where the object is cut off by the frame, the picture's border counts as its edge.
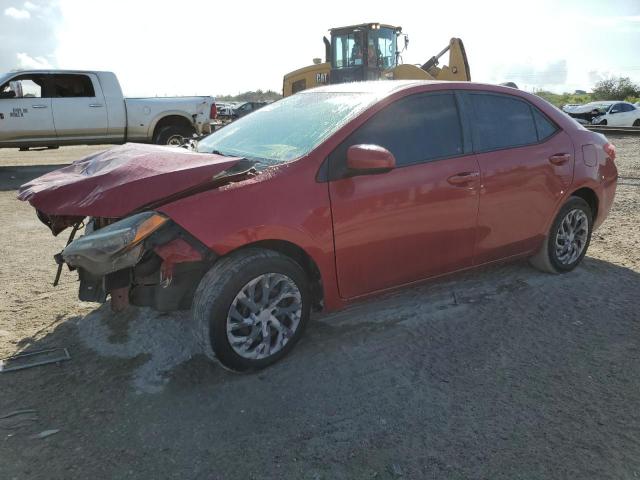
(594, 170)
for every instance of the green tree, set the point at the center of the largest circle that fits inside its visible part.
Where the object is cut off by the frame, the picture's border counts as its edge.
(616, 89)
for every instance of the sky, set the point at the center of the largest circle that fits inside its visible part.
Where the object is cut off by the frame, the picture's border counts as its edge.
(204, 47)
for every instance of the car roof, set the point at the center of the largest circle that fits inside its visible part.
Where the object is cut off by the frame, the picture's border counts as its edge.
(374, 86)
(387, 87)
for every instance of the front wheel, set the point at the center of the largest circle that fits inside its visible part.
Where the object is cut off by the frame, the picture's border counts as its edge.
(251, 308)
(568, 239)
(637, 123)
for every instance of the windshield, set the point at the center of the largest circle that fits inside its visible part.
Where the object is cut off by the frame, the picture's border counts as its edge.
(599, 105)
(287, 129)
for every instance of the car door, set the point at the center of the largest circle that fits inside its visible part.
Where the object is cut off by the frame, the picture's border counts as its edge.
(628, 114)
(417, 220)
(25, 111)
(79, 109)
(615, 116)
(526, 165)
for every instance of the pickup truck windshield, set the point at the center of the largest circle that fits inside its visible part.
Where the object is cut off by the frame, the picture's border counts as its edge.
(287, 129)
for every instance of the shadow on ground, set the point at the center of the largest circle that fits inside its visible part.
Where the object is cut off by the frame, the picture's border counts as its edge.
(501, 373)
(12, 177)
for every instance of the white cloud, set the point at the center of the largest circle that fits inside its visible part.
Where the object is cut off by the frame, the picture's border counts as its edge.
(29, 62)
(17, 14)
(30, 6)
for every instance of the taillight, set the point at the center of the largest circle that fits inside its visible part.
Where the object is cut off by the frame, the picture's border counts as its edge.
(213, 114)
(610, 151)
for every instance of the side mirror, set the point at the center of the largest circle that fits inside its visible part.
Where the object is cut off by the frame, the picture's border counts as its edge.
(369, 159)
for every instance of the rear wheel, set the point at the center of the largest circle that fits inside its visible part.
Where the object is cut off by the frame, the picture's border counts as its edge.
(173, 135)
(568, 239)
(251, 308)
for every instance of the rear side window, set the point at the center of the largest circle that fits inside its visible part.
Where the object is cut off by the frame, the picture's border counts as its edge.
(501, 121)
(416, 129)
(545, 127)
(70, 85)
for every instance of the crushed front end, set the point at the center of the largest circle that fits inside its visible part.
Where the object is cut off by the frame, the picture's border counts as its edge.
(144, 259)
(128, 250)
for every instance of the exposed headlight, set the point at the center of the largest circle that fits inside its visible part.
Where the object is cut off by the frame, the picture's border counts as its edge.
(114, 247)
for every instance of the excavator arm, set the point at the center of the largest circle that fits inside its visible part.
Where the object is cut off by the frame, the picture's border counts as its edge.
(456, 69)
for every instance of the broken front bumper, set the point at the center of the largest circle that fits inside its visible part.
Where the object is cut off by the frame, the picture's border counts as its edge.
(146, 260)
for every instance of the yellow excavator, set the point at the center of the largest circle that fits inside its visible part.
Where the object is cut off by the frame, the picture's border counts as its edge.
(369, 51)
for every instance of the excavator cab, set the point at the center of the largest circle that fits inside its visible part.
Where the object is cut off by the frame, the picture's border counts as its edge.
(369, 51)
(362, 52)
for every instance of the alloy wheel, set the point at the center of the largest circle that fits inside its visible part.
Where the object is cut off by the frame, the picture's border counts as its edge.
(264, 316)
(571, 237)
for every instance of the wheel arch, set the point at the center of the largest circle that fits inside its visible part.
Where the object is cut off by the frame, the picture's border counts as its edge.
(591, 197)
(167, 119)
(302, 258)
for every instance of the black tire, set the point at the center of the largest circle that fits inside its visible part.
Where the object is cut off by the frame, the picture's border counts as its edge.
(168, 135)
(546, 259)
(637, 123)
(603, 122)
(217, 290)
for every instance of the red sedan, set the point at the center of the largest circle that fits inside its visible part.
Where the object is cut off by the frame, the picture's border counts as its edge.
(326, 197)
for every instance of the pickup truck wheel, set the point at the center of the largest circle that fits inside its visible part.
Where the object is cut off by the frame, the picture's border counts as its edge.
(173, 135)
(251, 308)
(568, 239)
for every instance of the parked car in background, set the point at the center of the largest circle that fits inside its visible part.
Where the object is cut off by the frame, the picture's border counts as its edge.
(65, 107)
(327, 197)
(246, 108)
(585, 114)
(619, 114)
(610, 113)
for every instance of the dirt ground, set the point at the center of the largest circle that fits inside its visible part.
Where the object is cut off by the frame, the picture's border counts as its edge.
(503, 373)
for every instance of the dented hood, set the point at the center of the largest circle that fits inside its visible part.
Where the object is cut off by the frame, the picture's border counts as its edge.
(120, 180)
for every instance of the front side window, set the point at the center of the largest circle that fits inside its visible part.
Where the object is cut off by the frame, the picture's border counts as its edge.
(415, 129)
(71, 85)
(348, 50)
(24, 86)
(501, 121)
(381, 49)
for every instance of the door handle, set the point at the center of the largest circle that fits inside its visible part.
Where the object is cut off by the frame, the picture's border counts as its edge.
(38, 106)
(463, 178)
(95, 105)
(559, 158)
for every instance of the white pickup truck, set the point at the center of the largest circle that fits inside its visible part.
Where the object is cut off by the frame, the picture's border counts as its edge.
(49, 108)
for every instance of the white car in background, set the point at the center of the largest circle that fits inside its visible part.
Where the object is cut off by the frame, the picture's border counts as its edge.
(619, 114)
